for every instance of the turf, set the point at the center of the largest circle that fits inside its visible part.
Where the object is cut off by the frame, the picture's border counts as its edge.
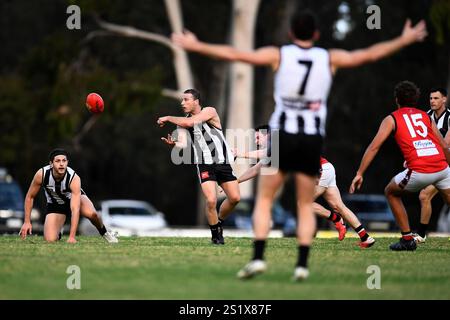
(192, 268)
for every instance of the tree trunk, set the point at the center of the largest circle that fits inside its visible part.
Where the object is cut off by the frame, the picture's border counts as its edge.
(181, 61)
(240, 106)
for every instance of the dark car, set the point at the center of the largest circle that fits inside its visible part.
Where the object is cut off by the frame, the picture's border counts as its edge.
(11, 204)
(372, 210)
(241, 216)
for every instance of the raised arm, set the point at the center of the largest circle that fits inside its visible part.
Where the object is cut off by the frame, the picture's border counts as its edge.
(347, 59)
(386, 127)
(75, 202)
(29, 200)
(269, 55)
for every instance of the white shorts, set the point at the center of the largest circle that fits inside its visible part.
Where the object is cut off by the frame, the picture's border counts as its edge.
(328, 176)
(412, 181)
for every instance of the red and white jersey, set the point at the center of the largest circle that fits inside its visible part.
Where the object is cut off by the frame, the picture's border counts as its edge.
(416, 139)
(323, 161)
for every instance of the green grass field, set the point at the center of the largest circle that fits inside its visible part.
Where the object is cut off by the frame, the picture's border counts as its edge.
(191, 268)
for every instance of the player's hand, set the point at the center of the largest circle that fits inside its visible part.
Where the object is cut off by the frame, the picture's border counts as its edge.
(162, 121)
(414, 34)
(26, 229)
(187, 40)
(405, 165)
(356, 183)
(169, 140)
(71, 240)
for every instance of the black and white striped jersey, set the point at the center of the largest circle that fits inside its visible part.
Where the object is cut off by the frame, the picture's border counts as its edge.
(442, 123)
(57, 192)
(301, 86)
(209, 145)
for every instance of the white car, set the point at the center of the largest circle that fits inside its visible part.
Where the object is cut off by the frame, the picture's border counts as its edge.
(127, 218)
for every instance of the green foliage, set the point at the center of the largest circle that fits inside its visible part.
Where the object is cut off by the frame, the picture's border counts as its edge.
(440, 17)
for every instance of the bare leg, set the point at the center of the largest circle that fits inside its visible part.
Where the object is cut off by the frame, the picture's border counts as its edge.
(306, 225)
(231, 189)
(334, 199)
(88, 211)
(267, 187)
(321, 211)
(52, 226)
(425, 197)
(393, 194)
(209, 191)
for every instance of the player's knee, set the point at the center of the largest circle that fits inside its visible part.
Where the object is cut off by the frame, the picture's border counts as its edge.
(211, 202)
(92, 215)
(50, 238)
(424, 197)
(234, 199)
(388, 191)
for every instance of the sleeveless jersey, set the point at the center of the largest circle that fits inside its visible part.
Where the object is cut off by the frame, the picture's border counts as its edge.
(57, 192)
(419, 145)
(442, 122)
(302, 84)
(209, 145)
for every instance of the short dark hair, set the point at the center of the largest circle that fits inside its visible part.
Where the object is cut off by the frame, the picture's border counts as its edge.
(304, 24)
(263, 127)
(57, 152)
(407, 94)
(195, 94)
(440, 90)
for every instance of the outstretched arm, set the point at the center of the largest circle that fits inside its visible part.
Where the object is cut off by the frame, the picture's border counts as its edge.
(264, 56)
(347, 59)
(206, 114)
(386, 127)
(29, 200)
(254, 154)
(250, 173)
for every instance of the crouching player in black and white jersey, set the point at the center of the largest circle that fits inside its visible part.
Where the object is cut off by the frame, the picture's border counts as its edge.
(65, 198)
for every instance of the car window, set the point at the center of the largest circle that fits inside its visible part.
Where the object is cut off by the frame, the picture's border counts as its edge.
(11, 196)
(130, 211)
(367, 206)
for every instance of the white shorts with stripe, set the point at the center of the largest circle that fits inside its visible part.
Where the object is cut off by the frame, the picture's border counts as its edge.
(328, 176)
(412, 181)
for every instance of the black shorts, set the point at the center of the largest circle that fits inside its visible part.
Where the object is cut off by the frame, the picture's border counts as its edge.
(215, 172)
(298, 153)
(59, 208)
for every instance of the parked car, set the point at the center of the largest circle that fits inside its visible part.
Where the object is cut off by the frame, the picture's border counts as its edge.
(241, 216)
(127, 217)
(372, 210)
(12, 204)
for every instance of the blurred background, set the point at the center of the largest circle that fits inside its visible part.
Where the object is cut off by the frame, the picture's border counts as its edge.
(47, 70)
